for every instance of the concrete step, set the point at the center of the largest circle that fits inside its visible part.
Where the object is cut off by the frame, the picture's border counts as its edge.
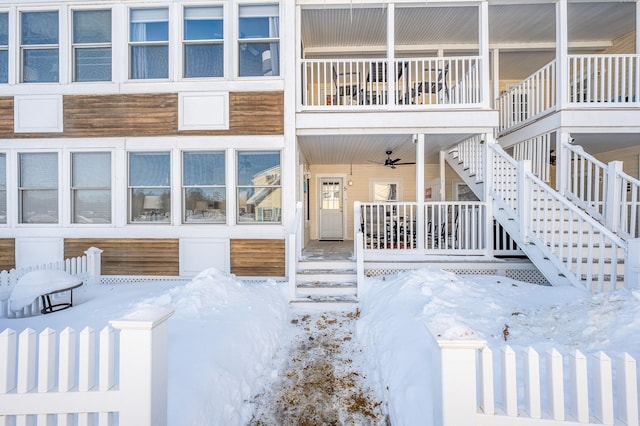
(326, 265)
(326, 276)
(319, 288)
(325, 304)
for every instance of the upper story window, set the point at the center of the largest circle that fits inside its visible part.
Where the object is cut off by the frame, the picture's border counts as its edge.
(150, 187)
(4, 47)
(91, 45)
(259, 187)
(149, 43)
(3, 188)
(259, 41)
(203, 42)
(38, 187)
(39, 38)
(204, 187)
(91, 187)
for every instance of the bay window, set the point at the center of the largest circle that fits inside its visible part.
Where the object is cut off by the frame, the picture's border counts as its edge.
(259, 44)
(149, 43)
(39, 47)
(259, 195)
(91, 187)
(203, 42)
(149, 187)
(4, 47)
(38, 187)
(204, 189)
(91, 45)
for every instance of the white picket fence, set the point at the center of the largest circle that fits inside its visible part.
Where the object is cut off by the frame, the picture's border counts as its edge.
(474, 387)
(86, 267)
(70, 379)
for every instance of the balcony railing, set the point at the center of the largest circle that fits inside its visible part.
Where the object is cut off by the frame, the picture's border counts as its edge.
(604, 81)
(380, 83)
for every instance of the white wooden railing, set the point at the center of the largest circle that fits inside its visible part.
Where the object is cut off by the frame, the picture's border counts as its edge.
(531, 98)
(472, 386)
(585, 251)
(105, 379)
(538, 151)
(387, 225)
(375, 82)
(629, 188)
(469, 153)
(86, 267)
(594, 79)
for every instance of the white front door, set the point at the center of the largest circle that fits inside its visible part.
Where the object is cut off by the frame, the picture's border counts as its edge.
(331, 211)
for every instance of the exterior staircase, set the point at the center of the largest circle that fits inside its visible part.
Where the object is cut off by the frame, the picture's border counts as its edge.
(564, 242)
(326, 285)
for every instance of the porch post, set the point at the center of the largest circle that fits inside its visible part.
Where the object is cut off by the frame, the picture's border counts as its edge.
(483, 36)
(562, 60)
(562, 172)
(487, 190)
(495, 59)
(419, 139)
(613, 199)
(391, 67)
(524, 203)
(442, 174)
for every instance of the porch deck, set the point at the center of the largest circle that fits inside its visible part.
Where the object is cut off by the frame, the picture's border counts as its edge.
(328, 250)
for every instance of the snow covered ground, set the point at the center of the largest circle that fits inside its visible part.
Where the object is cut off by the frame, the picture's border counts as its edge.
(226, 336)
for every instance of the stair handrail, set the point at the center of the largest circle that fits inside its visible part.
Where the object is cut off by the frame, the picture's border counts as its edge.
(527, 186)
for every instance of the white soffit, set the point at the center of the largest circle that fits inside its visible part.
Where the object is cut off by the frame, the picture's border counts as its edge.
(203, 111)
(38, 114)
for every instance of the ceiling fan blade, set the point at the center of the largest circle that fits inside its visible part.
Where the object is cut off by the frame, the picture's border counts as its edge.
(403, 164)
(377, 162)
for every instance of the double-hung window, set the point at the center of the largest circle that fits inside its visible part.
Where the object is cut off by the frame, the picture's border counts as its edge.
(203, 42)
(204, 189)
(259, 189)
(91, 187)
(38, 187)
(149, 43)
(259, 40)
(3, 188)
(91, 45)
(4, 47)
(150, 187)
(39, 47)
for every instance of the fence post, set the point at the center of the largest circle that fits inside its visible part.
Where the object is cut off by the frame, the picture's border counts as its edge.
(292, 265)
(143, 366)
(632, 264)
(359, 263)
(613, 199)
(455, 378)
(94, 270)
(524, 199)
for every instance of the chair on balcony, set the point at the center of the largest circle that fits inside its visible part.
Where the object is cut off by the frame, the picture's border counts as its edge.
(347, 87)
(376, 87)
(423, 88)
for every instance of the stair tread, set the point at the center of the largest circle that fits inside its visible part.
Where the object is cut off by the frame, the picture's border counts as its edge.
(327, 299)
(326, 284)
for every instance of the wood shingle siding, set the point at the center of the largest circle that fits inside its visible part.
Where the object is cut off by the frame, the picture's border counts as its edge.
(7, 253)
(258, 258)
(151, 114)
(130, 256)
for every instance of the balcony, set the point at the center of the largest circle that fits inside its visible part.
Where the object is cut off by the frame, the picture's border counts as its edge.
(401, 84)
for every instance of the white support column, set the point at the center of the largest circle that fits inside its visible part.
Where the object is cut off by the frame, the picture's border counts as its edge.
(562, 51)
(487, 190)
(420, 214)
(613, 197)
(562, 172)
(292, 254)
(391, 55)
(524, 201)
(443, 175)
(483, 36)
(143, 366)
(455, 377)
(495, 63)
(298, 57)
(359, 253)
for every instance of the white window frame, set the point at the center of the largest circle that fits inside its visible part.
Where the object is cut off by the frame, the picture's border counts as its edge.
(374, 182)
(239, 186)
(132, 44)
(78, 46)
(222, 41)
(257, 40)
(22, 47)
(131, 189)
(73, 189)
(23, 189)
(5, 47)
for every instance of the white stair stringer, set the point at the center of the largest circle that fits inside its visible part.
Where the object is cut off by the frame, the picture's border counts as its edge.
(475, 185)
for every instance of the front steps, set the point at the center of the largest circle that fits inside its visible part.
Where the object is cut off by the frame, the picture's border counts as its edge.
(326, 285)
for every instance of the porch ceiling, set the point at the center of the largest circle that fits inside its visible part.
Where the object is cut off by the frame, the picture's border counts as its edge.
(363, 149)
(523, 32)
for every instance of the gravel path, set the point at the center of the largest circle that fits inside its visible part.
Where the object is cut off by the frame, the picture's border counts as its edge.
(322, 382)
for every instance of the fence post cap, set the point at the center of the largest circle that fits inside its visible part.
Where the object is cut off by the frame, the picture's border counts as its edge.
(461, 344)
(143, 319)
(93, 250)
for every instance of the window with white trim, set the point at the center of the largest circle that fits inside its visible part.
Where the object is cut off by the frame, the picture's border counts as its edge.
(91, 45)
(204, 189)
(149, 43)
(259, 190)
(38, 187)
(4, 47)
(203, 39)
(3, 188)
(39, 48)
(91, 187)
(259, 40)
(150, 187)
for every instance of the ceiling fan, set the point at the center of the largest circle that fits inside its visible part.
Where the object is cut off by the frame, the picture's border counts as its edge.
(389, 162)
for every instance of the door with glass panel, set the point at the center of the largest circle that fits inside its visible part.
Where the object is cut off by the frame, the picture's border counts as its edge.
(330, 209)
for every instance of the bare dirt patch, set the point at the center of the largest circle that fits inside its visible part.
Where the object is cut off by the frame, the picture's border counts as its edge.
(322, 383)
